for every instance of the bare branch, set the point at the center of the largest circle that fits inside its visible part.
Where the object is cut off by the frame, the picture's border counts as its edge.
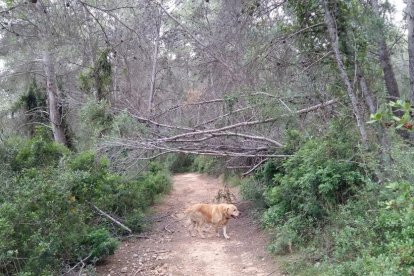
(255, 167)
(242, 124)
(111, 218)
(204, 46)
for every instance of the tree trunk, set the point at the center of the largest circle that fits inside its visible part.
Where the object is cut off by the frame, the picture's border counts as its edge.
(333, 36)
(154, 62)
(366, 93)
(381, 131)
(385, 60)
(410, 26)
(53, 98)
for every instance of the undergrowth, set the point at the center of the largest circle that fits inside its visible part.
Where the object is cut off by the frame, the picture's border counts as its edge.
(327, 212)
(47, 218)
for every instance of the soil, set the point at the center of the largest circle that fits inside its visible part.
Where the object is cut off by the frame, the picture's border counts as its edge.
(168, 249)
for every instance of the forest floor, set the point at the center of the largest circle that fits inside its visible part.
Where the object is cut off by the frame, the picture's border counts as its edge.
(167, 249)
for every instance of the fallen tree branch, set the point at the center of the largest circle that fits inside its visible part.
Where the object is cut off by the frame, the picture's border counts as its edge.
(238, 167)
(315, 107)
(76, 265)
(213, 135)
(145, 120)
(209, 142)
(242, 124)
(112, 219)
(227, 154)
(175, 107)
(204, 47)
(135, 236)
(225, 115)
(255, 167)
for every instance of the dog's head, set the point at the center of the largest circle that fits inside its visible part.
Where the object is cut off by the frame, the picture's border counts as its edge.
(232, 211)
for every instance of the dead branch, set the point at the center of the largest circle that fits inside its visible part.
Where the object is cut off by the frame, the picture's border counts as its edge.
(112, 219)
(145, 120)
(203, 46)
(225, 115)
(316, 107)
(79, 263)
(213, 135)
(175, 107)
(242, 124)
(228, 154)
(135, 236)
(208, 142)
(255, 167)
(238, 167)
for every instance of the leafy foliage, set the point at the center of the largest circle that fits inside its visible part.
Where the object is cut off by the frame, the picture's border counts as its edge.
(180, 163)
(99, 77)
(387, 117)
(324, 203)
(34, 106)
(46, 214)
(321, 175)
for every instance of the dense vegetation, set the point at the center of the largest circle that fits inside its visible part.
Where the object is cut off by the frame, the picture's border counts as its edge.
(325, 205)
(310, 101)
(47, 199)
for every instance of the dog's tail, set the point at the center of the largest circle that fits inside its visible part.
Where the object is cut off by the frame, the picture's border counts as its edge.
(188, 210)
(180, 216)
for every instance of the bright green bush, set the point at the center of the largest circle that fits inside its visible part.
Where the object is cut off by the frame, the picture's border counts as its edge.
(100, 243)
(372, 235)
(324, 204)
(47, 217)
(37, 152)
(323, 174)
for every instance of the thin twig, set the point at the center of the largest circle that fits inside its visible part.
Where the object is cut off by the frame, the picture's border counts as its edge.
(112, 219)
(80, 262)
(255, 167)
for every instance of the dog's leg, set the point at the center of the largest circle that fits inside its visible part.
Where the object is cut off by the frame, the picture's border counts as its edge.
(225, 232)
(191, 228)
(216, 227)
(200, 231)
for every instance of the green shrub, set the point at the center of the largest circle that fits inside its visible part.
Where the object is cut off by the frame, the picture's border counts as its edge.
(136, 220)
(180, 162)
(38, 152)
(100, 244)
(43, 224)
(323, 203)
(208, 164)
(372, 234)
(253, 189)
(47, 217)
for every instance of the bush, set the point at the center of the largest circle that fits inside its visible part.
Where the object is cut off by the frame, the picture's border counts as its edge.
(253, 189)
(323, 203)
(180, 163)
(371, 237)
(36, 153)
(323, 174)
(46, 214)
(208, 164)
(100, 244)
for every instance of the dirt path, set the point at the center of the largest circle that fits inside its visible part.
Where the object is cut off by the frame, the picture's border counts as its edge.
(169, 250)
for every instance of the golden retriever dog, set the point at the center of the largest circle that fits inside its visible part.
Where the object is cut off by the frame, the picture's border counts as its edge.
(215, 214)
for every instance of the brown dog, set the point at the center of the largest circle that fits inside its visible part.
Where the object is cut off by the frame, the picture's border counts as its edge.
(215, 214)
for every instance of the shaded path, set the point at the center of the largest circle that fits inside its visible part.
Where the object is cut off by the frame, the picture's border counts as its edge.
(169, 250)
